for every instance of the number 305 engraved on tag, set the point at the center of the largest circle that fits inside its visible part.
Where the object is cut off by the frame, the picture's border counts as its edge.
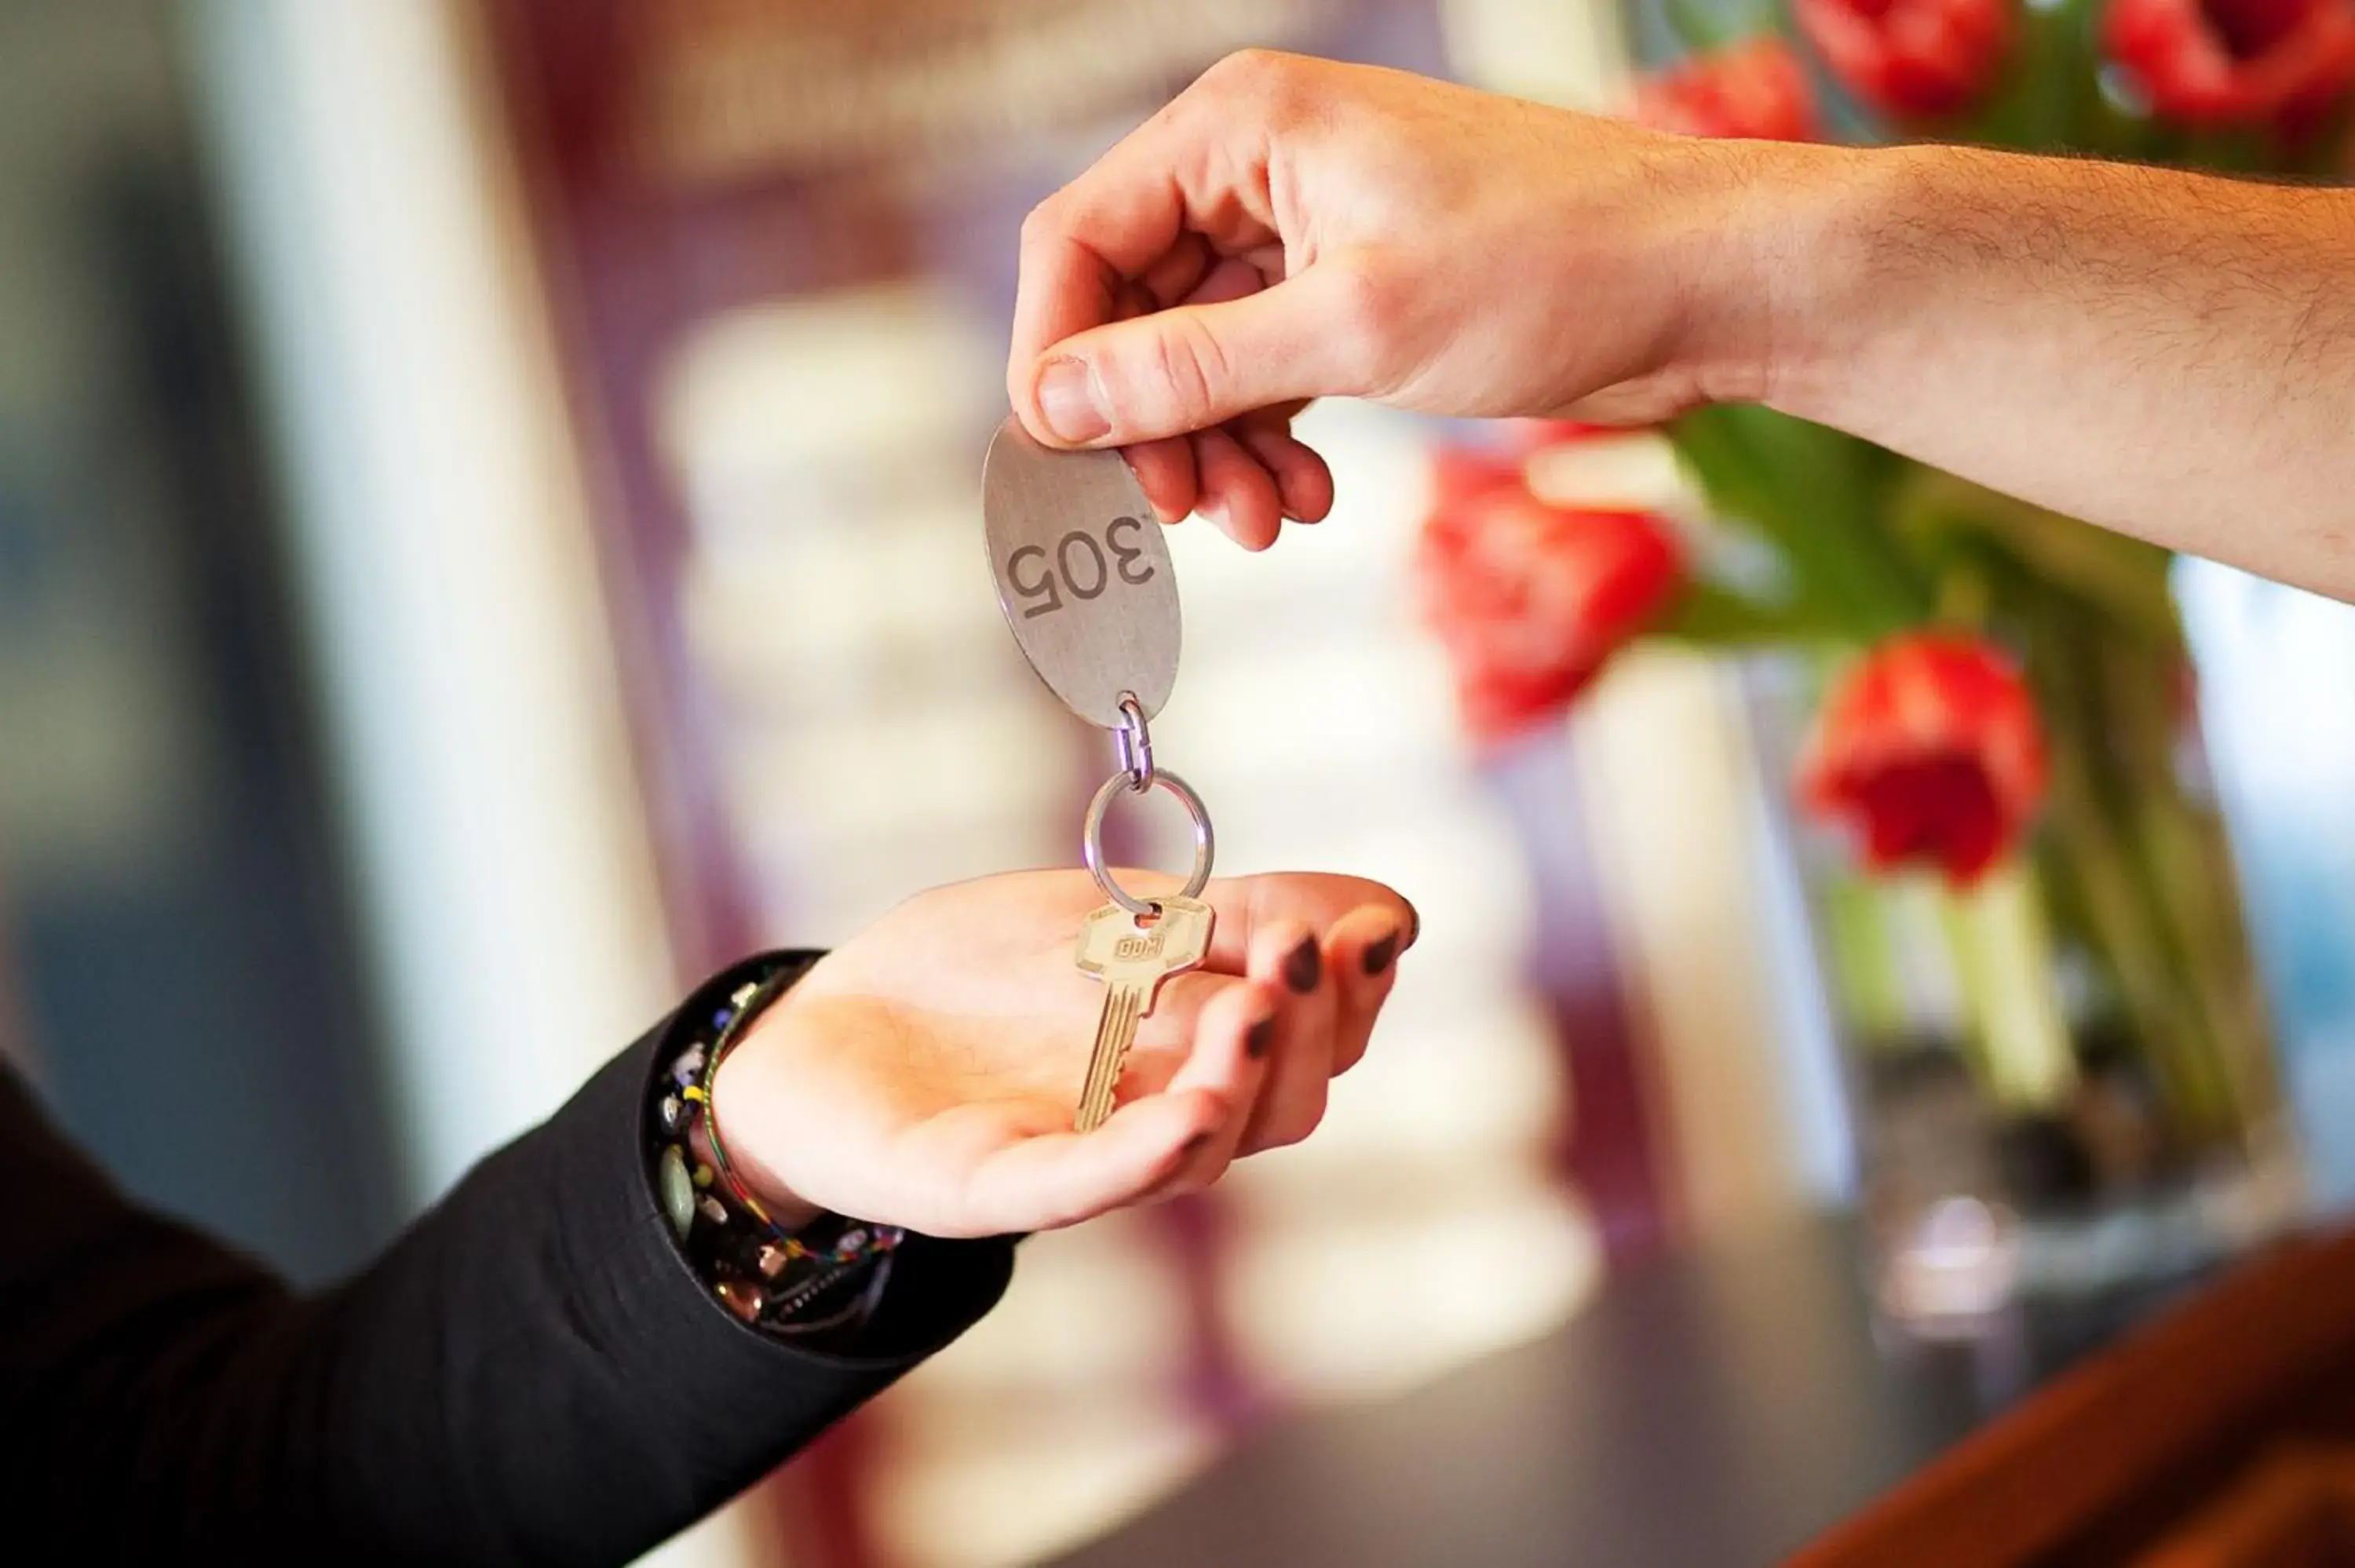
(1080, 566)
(1082, 573)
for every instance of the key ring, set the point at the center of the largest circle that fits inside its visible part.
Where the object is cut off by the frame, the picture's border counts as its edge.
(1091, 838)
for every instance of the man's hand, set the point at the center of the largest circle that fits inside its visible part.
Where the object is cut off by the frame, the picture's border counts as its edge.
(2166, 354)
(1289, 228)
(925, 1073)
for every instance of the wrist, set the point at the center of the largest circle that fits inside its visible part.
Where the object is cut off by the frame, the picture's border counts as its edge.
(1725, 261)
(778, 1263)
(788, 1209)
(1820, 265)
(735, 1094)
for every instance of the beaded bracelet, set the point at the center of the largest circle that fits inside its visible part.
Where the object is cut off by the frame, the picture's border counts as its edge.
(825, 1275)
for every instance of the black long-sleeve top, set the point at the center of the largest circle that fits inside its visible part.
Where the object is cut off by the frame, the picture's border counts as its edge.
(530, 1375)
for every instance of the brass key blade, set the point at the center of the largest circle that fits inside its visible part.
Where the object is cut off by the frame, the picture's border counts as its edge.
(1131, 959)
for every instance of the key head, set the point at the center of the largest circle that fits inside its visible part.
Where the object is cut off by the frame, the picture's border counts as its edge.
(1116, 945)
(1184, 931)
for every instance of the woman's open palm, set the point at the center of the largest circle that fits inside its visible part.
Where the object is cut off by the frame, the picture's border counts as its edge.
(926, 1073)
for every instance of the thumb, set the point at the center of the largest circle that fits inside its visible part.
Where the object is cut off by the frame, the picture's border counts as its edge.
(1192, 367)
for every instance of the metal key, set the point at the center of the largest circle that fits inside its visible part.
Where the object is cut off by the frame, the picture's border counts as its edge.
(1132, 959)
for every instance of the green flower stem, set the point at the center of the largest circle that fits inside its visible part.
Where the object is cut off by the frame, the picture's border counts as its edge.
(2083, 848)
(2044, 97)
(2005, 951)
(1708, 614)
(1704, 28)
(2184, 847)
(1864, 960)
(2121, 581)
(2158, 923)
(2188, 867)
(1819, 497)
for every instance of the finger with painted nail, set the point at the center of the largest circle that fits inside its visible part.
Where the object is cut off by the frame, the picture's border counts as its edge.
(1291, 1100)
(1233, 1040)
(1363, 952)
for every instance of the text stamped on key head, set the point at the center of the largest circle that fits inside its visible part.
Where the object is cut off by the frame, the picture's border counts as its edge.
(1112, 939)
(1082, 573)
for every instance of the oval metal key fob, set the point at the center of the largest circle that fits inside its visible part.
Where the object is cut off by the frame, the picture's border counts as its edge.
(1083, 574)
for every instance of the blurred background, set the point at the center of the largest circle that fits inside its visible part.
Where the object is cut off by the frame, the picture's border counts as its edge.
(489, 533)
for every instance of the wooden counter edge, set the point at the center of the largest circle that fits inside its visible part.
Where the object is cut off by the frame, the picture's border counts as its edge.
(2201, 1379)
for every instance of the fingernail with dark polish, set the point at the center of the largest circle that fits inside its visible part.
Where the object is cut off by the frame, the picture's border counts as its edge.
(1414, 923)
(1379, 954)
(1260, 1039)
(1304, 967)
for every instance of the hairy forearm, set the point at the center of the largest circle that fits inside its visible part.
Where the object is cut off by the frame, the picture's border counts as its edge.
(2168, 354)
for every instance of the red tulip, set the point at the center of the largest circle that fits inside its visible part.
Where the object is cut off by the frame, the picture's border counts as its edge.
(1460, 473)
(1530, 436)
(1914, 60)
(1532, 599)
(1755, 90)
(2235, 62)
(1929, 746)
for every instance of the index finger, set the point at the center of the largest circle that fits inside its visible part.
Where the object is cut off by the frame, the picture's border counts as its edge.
(1316, 899)
(1185, 169)
(1243, 905)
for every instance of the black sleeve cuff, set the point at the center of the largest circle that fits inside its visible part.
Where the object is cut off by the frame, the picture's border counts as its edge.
(937, 1288)
(584, 1395)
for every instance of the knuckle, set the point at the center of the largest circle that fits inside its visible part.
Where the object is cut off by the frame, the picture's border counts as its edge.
(1186, 365)
(1275, 86)
(1039, 223)
(1244, 72)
